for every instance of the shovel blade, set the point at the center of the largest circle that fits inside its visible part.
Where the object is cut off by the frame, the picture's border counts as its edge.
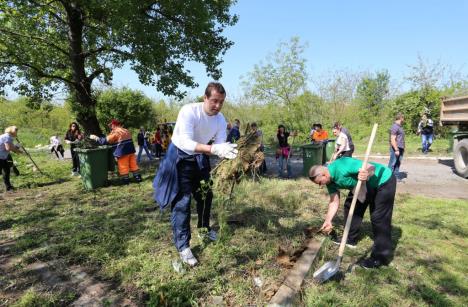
(326, 271)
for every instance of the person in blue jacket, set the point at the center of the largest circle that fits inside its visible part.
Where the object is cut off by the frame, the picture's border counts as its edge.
(186, 166)
(234, 132)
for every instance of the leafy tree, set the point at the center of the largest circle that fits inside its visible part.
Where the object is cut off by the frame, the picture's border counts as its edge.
(46, 46)
(282, 78)
(130, 107)
(371, 93)
(338, 90)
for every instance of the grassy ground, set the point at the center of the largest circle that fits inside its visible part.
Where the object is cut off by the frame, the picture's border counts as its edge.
(108, 234)
(429, 267)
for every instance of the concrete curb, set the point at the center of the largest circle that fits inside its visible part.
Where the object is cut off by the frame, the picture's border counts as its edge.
(293, 281)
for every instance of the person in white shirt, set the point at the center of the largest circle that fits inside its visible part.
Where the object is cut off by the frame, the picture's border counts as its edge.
(342, 148)
(56, 146)
(185, 170)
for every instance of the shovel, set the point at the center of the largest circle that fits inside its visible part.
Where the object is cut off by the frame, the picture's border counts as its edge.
(330, 268)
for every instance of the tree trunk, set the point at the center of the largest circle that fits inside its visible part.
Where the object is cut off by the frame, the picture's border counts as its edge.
(89, 123)
(84, 101)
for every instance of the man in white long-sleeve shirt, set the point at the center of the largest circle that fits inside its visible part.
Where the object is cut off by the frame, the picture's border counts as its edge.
(186, 166)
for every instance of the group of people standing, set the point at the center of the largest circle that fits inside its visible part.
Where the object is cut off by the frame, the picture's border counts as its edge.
(200, 131)
(154, 144)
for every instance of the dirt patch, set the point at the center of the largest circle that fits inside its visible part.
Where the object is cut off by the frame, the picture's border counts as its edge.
(55, 276)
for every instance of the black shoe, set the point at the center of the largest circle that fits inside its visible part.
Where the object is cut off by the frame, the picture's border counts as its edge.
(10, 188)
(126, 180)
(137, 178)
(371, 263)
(350, 244)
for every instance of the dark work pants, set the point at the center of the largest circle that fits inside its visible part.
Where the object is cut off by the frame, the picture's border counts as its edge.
(75, 160)
(189, 176)
(380, 202)
(5, 168)
(56, 150)
(158, 150)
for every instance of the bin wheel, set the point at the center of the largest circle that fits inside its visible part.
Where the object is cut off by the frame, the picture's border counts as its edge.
(460, 158)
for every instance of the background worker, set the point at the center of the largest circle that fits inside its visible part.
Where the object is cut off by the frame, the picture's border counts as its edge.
(7, 146)
(73, 137)
(378, 193)
(283, 151)
(157, 143)
(320, 135)
(348, 135)
(124, 150)
(311, 133)
(234, 132)
(56, 146)
(397, 145)
(342, 148)
(426, 130)
(186, 165)
(142, 139)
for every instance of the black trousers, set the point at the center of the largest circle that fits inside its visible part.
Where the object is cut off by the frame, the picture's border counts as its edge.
(5, 168)
(75, 160)
(380, 202)
(58, 149)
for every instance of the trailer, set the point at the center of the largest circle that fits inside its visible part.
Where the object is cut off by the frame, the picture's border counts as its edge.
(454, 112)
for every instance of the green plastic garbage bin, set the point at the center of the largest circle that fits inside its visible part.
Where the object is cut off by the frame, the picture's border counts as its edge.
(94, 164)
(312, 154)
(328, 150)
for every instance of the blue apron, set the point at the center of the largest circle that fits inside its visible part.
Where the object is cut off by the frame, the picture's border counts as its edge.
(166, 181)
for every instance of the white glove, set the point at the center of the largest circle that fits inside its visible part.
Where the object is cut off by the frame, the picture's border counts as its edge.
(67, 141)
(224, 150)
(94, 137)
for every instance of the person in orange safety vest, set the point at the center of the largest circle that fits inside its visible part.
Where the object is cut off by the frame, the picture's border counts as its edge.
(124, 150)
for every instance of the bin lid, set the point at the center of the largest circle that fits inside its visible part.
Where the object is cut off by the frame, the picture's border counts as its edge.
(312, 145)
(102, 147)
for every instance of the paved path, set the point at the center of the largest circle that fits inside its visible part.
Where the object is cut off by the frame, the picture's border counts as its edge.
(426, 176)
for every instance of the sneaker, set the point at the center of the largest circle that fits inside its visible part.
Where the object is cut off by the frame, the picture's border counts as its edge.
(188, 258)
(137, 177)
(75, 174)
(350, 244)
(370, 263)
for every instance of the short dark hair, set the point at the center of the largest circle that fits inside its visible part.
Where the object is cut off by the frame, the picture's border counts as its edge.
(337, 125)
(254, 124)
(214, 86)
(399, 116)
(318, 126)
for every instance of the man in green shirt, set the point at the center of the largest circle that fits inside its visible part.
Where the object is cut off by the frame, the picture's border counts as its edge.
(378, 193)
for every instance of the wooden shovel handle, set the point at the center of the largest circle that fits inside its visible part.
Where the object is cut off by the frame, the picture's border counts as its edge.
(356, 193)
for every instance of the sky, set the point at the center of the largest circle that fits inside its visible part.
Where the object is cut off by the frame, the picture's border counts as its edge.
(354, 35)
